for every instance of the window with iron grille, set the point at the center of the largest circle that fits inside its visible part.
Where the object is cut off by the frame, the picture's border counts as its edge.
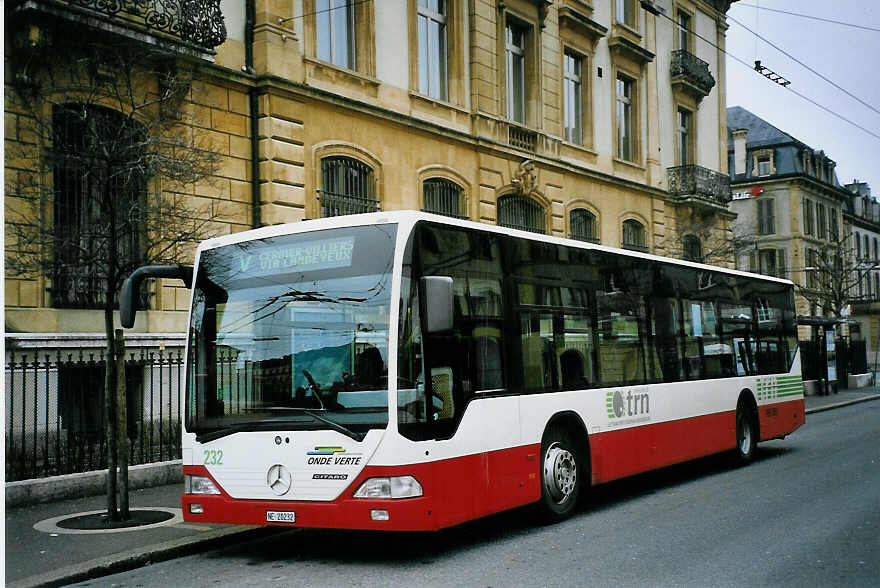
(98, 199)
(347, 187)
(583, 225)
(634, 236)
(443, 197)
(692, 249)
(519, 212)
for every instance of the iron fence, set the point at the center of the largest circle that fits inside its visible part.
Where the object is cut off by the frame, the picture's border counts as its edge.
(55, 416)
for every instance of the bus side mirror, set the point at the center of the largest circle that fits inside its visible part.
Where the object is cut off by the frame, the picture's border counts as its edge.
(132, 284)
(437, 299)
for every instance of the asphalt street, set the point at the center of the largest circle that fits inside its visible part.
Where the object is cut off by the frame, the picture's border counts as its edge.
(806, 513)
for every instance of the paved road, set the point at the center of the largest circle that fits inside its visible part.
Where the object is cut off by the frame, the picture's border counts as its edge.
(806, 513)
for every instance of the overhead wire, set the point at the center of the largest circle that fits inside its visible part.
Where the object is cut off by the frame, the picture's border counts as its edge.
(789, 88)
(807, 67)
(811, 17)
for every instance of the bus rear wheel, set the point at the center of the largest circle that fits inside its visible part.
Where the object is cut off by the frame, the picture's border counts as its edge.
(746, 434)
(561, 474)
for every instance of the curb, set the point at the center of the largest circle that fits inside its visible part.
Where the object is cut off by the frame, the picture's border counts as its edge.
(842, 403)
(135, 558)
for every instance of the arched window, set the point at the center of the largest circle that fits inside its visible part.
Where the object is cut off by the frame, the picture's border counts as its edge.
(99, 188)
(583, 225)
(519, 212)
(692, 249)
(443, 197)
(634, 236)
(348, 186)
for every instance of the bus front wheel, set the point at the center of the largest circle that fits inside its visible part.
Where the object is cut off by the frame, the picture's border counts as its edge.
(561, 474)
(746, 434)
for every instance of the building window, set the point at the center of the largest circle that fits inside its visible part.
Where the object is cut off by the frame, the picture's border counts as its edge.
(876, 250)
(692, 249)
(335, 22)
(683, 136)
(572, 89)
(877, 284)
(583, 225)
(98, 201)
(770, 262)
(683, 30)
(625, 145)
(764, 165)
(626, 12)
(443, 197)
(348, 187)
(821, 225)
(519, 212)
(808, 217)
(634, 236)
(515, 42)
(767, 216)
(858, 247)
(833, 229)
(867, 248)
(432, 17)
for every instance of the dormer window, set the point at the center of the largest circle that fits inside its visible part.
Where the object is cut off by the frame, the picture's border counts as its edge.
(762, 163)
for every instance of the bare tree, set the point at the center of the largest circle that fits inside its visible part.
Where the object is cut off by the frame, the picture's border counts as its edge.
(708, 238)
(101, 176)
(835, 275)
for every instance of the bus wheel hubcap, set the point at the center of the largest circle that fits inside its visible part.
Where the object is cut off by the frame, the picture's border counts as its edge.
(560, 472)
(745, 439)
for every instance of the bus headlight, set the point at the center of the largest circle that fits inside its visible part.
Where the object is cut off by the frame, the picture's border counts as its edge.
(199, 485)
(393, 487)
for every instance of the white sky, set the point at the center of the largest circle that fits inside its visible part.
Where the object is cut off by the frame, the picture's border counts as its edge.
(848, 56)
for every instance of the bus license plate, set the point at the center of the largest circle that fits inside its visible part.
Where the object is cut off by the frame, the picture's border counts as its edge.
(275, 516)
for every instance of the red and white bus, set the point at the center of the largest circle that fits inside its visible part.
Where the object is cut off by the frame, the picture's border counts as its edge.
(406, 371)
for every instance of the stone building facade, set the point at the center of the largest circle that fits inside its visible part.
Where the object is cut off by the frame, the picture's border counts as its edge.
(601, 120)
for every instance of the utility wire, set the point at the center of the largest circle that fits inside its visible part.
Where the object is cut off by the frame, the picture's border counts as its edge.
(789, 88)
(331, 9)
(796, 60)
(837, 22)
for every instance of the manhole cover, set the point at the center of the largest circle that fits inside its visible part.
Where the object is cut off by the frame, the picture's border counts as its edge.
(100, 521)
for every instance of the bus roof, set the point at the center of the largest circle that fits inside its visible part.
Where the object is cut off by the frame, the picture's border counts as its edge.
(410, 217)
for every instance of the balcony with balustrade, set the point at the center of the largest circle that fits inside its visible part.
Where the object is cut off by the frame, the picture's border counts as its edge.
(193, 27)
(699, 185)
(690, 74)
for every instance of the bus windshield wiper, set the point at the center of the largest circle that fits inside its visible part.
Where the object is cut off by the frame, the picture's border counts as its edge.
(333, 425)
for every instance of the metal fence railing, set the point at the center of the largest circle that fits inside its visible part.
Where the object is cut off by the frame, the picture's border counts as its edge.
(55, 421)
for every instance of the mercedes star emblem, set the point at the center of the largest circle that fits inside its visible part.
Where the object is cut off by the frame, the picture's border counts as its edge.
(279, 479)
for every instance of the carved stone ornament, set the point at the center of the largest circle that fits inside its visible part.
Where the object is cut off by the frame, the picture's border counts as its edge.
(525, 179)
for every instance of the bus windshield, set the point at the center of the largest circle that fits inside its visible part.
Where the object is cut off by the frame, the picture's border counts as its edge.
(291, 332)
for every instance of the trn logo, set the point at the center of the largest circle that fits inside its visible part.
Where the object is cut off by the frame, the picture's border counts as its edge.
(627, 403)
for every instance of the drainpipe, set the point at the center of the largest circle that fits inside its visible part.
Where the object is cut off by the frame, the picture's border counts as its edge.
(253, 101)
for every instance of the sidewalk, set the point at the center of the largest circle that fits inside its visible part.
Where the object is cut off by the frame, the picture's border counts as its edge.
(38, 558)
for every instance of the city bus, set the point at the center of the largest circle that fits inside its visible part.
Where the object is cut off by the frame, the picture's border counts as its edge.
(406, 371)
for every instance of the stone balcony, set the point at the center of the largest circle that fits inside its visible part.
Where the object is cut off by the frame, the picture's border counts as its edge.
(690, 74)
(698, 184)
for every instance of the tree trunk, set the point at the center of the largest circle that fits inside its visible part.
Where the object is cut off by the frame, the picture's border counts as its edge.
(110, 411)
(122, 425)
